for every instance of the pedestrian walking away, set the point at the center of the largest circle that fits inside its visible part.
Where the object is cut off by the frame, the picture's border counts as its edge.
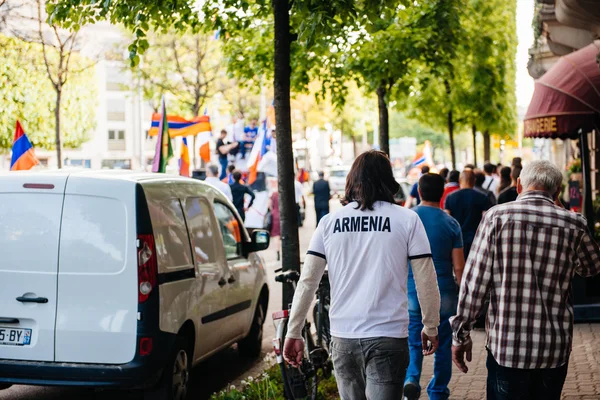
(467, 207)
(367, 245)
(212, 178)
(510, 193)
(445, 239)
(223, 150)
(239, 192)
(479, 182)
(451, 187)
(300, 201)
(414, 193)
(322, 193)
(491, 182)
(523, 258)
(275, 222)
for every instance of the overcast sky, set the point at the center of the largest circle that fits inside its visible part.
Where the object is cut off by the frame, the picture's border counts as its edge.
(525, 35)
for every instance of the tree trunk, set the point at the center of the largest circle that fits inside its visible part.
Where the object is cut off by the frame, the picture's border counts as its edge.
(451, 136)
(474, 145)
(290, 246)
(57, 128)
(384, 122)
(353, 146)
(486, 146)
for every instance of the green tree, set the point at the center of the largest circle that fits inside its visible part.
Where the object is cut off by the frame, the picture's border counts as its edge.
(28, 95)
(308, 29)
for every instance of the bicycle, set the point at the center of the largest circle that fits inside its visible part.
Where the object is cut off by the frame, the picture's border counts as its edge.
(302, 382)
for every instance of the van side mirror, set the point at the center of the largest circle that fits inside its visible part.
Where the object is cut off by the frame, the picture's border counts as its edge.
(260, 241)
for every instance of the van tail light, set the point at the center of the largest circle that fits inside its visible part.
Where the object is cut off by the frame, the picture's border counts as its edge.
(147, 267)
(145, 346)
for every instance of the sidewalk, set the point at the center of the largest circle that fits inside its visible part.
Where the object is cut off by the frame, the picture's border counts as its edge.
(583, 379)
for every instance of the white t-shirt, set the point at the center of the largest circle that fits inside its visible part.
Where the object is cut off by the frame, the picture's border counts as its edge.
(222, 186)
(298, 191)
(491, 184)
(367, 253)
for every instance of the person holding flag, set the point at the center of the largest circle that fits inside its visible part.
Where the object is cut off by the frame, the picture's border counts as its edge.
(164, 149)
(23, 156)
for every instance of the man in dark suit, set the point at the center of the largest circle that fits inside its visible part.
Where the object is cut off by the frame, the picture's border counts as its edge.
(322, 194)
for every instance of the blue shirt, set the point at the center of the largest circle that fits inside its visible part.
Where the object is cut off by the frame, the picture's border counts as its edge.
(467, 207)
(251, 132)
(444, 236)
(414, 192)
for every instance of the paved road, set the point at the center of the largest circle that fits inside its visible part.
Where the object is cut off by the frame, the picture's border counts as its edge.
(208, 377)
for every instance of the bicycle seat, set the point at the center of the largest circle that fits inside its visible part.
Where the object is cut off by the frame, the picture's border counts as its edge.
(289, 276)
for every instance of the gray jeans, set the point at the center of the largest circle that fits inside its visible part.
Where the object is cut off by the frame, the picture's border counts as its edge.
(372, 368)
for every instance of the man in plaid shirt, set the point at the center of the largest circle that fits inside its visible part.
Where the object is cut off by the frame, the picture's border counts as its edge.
(524, 256)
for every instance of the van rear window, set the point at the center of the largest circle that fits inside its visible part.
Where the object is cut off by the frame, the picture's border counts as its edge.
(93, 235)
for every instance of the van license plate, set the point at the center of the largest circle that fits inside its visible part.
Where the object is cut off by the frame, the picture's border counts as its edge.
(15, 336)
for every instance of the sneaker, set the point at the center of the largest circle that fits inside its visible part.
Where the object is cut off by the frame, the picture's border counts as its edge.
(411, 391)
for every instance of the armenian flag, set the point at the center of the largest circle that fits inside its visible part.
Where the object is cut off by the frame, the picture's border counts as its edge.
(164, 150)
(179, 126)
(258, 151)
(23, 156)
(184, 160)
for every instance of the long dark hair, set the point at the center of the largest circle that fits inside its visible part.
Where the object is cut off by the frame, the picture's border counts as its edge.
(370, 179)
(504, 179)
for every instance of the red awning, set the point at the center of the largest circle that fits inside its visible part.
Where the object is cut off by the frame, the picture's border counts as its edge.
(567, 98)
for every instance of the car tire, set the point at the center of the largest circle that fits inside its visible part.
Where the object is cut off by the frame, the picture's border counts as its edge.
(175, 380)
(251, 345)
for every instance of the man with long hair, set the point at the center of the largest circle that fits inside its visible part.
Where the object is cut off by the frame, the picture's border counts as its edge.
(367, 245)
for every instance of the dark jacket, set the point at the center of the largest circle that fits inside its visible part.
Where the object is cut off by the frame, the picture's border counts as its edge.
(322, 194)
(237, 192)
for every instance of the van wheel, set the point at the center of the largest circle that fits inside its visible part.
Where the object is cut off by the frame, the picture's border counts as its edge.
(251, 345)
(175, 380)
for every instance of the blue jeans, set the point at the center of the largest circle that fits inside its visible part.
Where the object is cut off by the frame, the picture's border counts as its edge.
(505, 383)
(442, 362)
(370, 369)
(224, 163)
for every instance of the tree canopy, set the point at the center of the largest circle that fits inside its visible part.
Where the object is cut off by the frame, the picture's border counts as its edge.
(28, 96)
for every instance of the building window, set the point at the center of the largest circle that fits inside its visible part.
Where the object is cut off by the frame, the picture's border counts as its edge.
(116, 140)
(78, 162)
(115, 110)
(116, 164)
(114, 134)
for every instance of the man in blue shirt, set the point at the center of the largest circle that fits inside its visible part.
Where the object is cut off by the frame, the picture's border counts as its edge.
(414, 191)
(467, 207)
(445, 238)
(250, 133)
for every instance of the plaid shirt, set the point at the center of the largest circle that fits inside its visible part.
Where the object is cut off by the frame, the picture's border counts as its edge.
(524, 255)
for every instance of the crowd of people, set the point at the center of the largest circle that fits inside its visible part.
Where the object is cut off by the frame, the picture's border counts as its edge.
(522, 249)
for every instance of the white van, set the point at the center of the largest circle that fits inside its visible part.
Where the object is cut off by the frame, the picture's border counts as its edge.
(120, 279)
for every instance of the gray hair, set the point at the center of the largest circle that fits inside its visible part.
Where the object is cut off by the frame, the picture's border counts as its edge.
(541, 175)
(214, 170)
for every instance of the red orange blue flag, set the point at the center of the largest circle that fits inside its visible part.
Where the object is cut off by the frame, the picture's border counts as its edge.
(23, 156)
(179, 126)
(184, 160)
(259, 149)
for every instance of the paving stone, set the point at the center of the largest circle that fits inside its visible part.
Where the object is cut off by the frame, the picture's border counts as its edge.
(583, 378)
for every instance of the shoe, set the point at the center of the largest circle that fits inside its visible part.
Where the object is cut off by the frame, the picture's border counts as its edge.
(411, 391)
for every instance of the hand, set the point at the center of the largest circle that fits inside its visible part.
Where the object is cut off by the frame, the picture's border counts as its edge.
(293, 351)
(245, 209)
(431, 347)
(458, 355)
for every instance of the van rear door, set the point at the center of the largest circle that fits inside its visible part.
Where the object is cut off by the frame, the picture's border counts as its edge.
(96, 319)
(30, 218)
